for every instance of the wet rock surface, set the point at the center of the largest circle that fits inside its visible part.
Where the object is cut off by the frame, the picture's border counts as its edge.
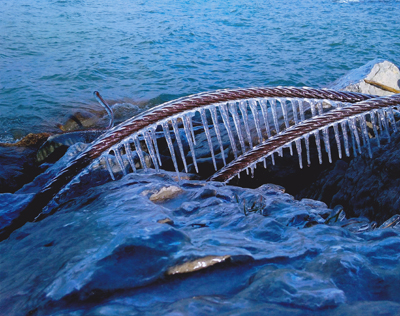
(231, 250)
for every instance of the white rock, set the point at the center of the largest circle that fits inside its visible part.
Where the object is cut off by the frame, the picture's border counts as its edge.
(166, 193)
(382, 72)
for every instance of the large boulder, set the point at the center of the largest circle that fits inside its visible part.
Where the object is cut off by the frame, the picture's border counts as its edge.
(382, 72)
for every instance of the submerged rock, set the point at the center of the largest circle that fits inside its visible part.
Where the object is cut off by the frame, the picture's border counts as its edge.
(29, 140)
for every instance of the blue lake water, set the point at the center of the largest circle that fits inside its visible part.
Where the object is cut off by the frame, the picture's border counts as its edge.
(54, 54)
(124, 247)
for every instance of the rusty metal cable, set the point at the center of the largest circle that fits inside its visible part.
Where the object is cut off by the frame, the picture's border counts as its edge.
(306, 127)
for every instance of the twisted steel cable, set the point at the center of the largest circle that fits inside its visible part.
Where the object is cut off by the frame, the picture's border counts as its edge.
(306, 127)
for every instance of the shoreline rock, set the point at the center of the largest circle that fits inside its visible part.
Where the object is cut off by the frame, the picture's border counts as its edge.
(380, 71)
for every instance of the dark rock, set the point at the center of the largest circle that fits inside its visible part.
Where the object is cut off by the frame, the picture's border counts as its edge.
(18, 166)
(363, 186)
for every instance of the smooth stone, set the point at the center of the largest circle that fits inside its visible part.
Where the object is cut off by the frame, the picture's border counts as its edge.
(380, 71)
(166, 221)
(166, 193)
(197, 264)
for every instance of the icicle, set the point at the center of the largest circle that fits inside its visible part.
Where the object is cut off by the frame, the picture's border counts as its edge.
(345, 138)
(390, 114)
(154, 140)
(243, 110)
(247, 171)
(109, 167)
(373, 122)
(316, 134)
(252, 171)
(170, 147)
(236, 120)
(365, 137)
(337, 138)
(207, 131)
(284, 112)
(187, 129)
(379, 121)
(128, 151)
(273, 158)
(312, 106)
(291, 149)
(353, 140)
(253, 108)
(213, 111)
(294, 109)
(119, 159)
(189, 118)
(301, 108)
(318, 143)
(325, 132)
(225, 118)
(264, 111)
(353, 127)
(307, 141)
(139, 152)
(149, 144)
(265, 163)
(274, 114)
(320, 107)
(298, 148)
(382, 116)
(179, 141)
(364, 131)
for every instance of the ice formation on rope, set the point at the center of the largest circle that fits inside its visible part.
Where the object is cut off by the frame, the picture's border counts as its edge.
(268, 116)
(353, 119)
